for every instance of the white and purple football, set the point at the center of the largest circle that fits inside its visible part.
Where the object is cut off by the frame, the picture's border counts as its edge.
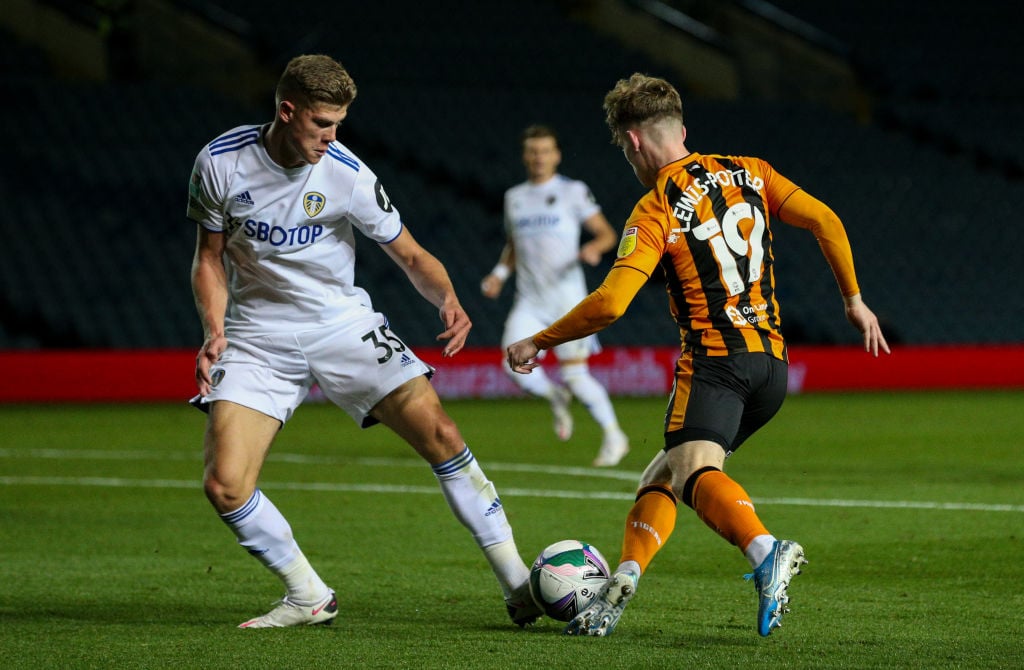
(566, 577)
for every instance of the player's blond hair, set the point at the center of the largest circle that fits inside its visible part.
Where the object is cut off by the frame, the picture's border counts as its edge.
(640, 100)
(315, 78)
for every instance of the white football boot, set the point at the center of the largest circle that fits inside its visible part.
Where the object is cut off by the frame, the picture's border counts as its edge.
(288, 613)
(613, 448)
(522, 608)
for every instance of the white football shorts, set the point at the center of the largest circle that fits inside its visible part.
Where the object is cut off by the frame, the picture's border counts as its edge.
(356, 363)
(524, 322)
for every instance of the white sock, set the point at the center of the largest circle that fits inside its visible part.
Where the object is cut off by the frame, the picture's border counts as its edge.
(632, 567)
(304, 586)
(508, 566)
(537, 383)
(593, 396)
(758, 549)
(475, 503)
(265, 533)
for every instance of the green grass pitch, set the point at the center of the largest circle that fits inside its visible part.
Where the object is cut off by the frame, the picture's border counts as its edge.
(910, 507)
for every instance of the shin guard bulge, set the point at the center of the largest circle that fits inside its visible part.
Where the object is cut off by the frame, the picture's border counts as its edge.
(725, 507)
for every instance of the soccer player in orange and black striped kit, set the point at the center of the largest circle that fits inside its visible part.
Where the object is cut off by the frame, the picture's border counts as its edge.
(707, 222)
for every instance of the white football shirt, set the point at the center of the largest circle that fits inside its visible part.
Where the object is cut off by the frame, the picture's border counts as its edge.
(544, 223)
(290, 254)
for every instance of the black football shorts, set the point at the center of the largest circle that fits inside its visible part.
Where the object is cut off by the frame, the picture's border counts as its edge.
(724, 399)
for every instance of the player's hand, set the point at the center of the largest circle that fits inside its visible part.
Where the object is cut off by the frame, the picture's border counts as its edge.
(208, 354)
(521, 356)
(491, 286)
(456, 328)
(864, 320)
(590, 254)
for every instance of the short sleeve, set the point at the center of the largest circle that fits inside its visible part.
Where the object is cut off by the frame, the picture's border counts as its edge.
(584, 203)
(205, 198)
(372, 211)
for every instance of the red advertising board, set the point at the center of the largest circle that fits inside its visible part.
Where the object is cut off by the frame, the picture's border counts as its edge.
(166, 374)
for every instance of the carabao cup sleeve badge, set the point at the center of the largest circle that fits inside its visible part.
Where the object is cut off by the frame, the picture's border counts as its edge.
(628, 242)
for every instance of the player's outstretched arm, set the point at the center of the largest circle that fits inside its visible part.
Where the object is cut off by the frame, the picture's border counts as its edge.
(210, 290)
(864, 320)
(594, 313)
(805, 211)
(430, 278)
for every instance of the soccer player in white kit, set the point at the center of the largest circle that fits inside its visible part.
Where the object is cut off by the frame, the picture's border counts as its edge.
(276, 205)
(544, 217)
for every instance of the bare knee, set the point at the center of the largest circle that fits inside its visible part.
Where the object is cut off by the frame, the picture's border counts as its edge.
(236, 442)
(446, 434)
(415, 413)
(224, 494)
(434, 435)
(691, 458)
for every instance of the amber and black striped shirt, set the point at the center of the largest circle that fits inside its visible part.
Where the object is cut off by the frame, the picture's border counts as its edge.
(707, 223)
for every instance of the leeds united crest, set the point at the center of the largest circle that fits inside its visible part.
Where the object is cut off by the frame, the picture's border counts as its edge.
(313, 203)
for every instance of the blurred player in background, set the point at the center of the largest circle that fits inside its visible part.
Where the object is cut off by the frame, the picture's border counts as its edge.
(706, 222)
(544, 217)
(276, 205)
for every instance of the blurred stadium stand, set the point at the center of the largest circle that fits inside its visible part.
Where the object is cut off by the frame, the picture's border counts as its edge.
(907, 123)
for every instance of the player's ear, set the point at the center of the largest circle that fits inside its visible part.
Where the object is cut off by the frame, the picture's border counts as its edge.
(286, 110)
(633, 139)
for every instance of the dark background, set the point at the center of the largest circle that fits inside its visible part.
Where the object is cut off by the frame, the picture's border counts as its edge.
(904, 117)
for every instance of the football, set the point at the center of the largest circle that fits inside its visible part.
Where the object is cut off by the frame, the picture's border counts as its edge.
(566, 577)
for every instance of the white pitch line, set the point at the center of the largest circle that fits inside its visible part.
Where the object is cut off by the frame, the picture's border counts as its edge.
(894, 504)
(304, 459)
(120, 482)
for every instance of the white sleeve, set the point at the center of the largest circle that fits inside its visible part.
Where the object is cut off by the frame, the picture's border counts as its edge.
(583, 201)
(507, 216)
(205, 194)
(371, 210)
